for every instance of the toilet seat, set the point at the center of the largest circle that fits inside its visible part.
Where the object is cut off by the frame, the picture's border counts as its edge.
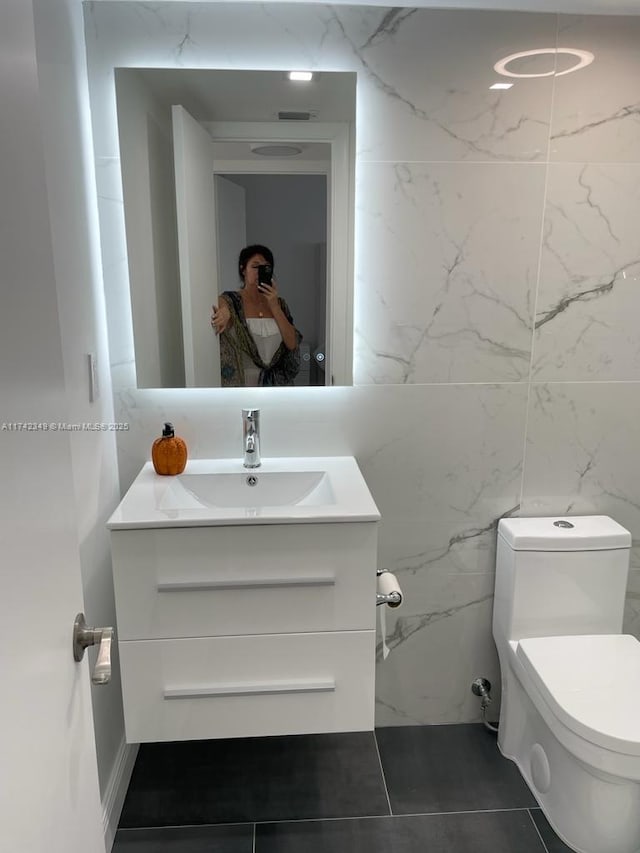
(591, 683)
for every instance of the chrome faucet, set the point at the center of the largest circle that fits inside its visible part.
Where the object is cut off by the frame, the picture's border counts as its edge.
(251, 437)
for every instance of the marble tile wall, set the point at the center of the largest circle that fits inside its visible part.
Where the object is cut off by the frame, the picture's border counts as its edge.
(497, 355)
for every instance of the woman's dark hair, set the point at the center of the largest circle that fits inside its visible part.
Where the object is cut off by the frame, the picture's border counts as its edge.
(249, 251)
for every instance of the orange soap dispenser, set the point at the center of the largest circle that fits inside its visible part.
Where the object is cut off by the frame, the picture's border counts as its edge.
(169, 452)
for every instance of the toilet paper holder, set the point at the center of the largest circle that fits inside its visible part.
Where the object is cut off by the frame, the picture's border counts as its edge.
(394, 597)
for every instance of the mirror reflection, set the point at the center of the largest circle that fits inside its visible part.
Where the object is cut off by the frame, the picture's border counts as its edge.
(225, 172)
(259, 343)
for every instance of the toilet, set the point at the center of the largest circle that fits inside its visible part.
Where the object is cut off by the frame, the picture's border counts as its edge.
(570, 714)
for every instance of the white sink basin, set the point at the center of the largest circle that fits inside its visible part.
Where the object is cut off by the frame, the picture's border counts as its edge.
(221, 491)
(258, 489)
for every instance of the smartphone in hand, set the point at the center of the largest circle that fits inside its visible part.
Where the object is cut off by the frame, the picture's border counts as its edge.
(265, 273)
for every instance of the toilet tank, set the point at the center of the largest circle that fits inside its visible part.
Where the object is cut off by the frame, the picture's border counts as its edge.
(558, 576)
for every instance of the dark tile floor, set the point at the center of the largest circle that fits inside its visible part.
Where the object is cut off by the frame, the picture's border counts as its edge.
(442, 789)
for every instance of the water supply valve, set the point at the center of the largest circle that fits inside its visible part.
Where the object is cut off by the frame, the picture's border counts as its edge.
(482, 687)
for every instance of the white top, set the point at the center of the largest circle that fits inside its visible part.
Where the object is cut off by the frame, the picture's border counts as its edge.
(267, 337)
(564, 533)
(591, 683)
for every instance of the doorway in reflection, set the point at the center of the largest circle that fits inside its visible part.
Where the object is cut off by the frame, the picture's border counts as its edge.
(288, 213)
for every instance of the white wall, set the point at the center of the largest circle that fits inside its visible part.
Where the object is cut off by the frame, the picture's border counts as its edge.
(497, 359)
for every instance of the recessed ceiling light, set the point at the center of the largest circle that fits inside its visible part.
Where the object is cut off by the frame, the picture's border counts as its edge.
(301, 76)
(584, 57)
(501, 86)
(276, 149)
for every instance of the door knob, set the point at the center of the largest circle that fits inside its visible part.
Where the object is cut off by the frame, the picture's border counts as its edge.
(83, 636)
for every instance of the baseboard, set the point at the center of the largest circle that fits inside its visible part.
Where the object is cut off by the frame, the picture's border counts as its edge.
(113, 799)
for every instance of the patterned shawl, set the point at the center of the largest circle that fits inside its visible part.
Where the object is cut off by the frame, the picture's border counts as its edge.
(237, 339)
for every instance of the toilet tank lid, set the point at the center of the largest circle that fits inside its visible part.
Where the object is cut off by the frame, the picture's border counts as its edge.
(564, 533)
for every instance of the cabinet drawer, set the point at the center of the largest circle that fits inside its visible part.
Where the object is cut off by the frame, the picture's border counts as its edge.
(247, 686)
(222, 581)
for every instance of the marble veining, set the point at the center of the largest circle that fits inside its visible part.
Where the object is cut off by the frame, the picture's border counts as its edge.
(446, 302)
(406, 626)
(583, 296)
(596, 472)
(418, 562)
(624, 112)
(396, 712)
(590, 267)
(487, 123)
(392, 20)
(596, 111)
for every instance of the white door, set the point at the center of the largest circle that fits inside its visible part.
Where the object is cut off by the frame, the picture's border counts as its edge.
(195, 209)
(231, 230)
(49, 798)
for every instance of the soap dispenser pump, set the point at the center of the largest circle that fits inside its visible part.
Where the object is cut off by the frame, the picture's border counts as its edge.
(169, 452)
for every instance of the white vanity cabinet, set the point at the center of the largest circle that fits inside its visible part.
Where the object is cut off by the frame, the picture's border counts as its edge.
(260, 626)
(246, 631)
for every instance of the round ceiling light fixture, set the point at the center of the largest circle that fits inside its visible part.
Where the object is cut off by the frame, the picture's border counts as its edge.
(584, 57)
(276, 149)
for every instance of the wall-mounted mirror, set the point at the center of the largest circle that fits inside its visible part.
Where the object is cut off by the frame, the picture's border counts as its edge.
(213, 161)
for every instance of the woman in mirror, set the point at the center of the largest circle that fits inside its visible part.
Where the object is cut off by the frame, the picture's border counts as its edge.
(259, 345)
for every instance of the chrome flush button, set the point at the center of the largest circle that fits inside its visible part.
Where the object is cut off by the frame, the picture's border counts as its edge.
(563, 523)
